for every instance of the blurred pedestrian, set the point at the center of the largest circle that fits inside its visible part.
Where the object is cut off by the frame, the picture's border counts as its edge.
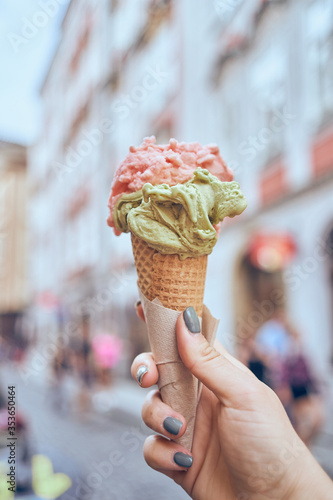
(107, 350)
(243, 446)
(60, 369)
(307, 409)
(84, 364)
(285, 368)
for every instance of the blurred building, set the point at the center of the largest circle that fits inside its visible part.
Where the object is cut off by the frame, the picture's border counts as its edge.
(105, 88)
(13, 248)
(272, 102)
(256, 77)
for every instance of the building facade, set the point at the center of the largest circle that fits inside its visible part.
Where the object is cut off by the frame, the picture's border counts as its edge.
(272, 78)
(13, 238)
(105, 89)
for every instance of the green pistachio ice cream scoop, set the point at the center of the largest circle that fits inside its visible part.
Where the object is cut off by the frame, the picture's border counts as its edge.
(180, 219)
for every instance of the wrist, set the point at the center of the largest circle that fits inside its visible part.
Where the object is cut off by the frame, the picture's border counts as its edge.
(309, 480)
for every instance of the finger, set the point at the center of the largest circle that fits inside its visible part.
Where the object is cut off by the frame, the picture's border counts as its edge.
(164, 455)
(221, 374)
(222, 350)
(161, 418)
(139, 310)
(144, 370)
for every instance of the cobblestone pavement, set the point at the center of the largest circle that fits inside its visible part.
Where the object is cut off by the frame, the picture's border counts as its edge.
(104, 452)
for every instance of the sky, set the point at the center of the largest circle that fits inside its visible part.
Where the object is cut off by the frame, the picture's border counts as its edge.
(29, 34)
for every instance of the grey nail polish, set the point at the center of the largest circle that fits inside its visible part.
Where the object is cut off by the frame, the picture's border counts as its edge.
(172, 425)
(191, 320)
(142, 370)
(137, 304)
(182, 459)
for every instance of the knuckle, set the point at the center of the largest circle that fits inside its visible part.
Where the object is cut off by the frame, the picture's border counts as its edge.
(208, 353)
(147, 410)
(149, 451)
(148, 448)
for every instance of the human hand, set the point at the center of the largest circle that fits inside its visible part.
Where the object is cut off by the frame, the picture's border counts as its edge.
(244, 445)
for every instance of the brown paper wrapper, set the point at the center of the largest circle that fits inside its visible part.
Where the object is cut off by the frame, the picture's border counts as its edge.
(178, 387)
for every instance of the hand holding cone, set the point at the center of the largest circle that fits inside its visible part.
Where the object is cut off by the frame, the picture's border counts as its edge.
(173, 198)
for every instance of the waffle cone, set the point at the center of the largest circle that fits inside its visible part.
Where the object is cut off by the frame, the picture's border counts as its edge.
(176, 283)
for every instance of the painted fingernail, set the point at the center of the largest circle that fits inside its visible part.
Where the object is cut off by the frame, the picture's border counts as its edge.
(137, 304)
(182, 459)
(191, 320)
(142, 370)
(172, 425)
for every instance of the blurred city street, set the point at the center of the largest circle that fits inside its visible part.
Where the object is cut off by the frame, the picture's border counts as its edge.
(101, 451)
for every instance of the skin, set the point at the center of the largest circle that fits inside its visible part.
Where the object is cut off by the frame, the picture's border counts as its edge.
(244, 447)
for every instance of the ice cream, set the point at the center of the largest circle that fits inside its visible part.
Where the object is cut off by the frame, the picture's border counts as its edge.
(170, 164)
(179, 219)
(172, 198)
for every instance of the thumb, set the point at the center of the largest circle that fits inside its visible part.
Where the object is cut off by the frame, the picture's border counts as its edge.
(224, 375)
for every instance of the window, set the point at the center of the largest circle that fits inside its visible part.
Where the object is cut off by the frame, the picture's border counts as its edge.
(232, 123)
(269, 91)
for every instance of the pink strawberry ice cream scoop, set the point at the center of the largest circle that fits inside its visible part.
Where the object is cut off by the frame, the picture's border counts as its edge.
(171, 164)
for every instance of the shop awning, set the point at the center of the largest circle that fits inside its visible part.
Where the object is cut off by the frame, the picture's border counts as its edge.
(271, 252)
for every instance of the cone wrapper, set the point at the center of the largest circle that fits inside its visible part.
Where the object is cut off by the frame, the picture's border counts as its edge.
(178, 387)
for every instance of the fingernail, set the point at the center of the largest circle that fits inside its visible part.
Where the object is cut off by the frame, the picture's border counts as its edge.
(191, 320)
(182, 459)
(137, 304)
(172, 425)
(142, 370)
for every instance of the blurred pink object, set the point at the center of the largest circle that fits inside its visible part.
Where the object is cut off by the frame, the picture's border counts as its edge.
(107, 350)
(272, 251)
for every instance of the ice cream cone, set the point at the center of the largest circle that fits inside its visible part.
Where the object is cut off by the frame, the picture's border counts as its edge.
(174, 197)
(177, 284)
